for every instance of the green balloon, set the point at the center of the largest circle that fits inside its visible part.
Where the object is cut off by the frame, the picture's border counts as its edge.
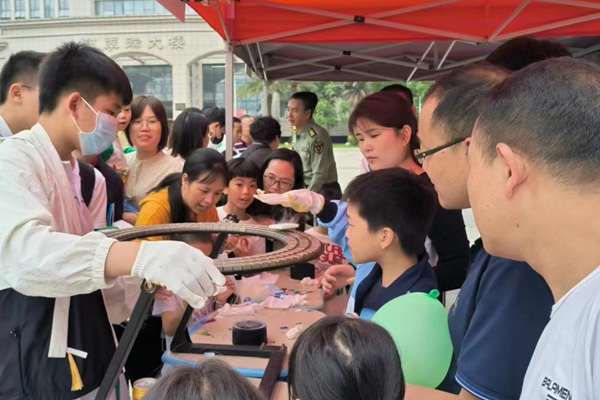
(419, 325)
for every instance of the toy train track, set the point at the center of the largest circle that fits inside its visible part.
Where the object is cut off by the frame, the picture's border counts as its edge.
(298, 247)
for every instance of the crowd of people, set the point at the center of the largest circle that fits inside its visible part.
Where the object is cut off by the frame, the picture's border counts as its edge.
(515, 138)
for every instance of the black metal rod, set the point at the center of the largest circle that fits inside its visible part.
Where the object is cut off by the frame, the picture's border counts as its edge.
(229, 350)
(181, 341)
(127, 340)
(272, 372)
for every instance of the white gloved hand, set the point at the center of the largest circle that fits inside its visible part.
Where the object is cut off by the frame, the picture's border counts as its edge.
(300, 200)
(180, 268)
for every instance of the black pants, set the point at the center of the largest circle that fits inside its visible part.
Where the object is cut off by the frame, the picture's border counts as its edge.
(144, 361)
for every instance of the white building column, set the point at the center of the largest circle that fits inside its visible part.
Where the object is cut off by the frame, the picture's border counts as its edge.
(181, 86)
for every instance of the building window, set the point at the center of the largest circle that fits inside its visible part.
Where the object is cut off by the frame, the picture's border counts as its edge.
(105, 8)
(153, 80)
(19, 9)
(49, 8)
(63, 8)
(5, 11)
(34, 9)
(213, 89)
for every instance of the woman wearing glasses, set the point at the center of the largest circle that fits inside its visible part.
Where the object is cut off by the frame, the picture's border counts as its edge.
(281, 172)
(148, 133)
(386, 129)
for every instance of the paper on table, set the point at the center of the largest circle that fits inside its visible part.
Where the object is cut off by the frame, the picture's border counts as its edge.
(284, 302)
(245, 309)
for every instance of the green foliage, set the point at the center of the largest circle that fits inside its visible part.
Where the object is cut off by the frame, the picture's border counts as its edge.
(336, 99)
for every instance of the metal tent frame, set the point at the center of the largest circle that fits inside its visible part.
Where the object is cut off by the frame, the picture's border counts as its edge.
(431, 52)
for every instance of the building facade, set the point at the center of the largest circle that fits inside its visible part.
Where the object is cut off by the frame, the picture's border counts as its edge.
(180, 63)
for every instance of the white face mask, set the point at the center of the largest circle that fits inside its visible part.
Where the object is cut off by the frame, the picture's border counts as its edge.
(100, 139)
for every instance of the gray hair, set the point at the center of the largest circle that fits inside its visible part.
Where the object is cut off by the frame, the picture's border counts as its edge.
(211, 380)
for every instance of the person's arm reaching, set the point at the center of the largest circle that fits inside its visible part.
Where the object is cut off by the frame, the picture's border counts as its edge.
(36, 260)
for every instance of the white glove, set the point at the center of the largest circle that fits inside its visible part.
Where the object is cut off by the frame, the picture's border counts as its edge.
(180, 268)
(300, 200)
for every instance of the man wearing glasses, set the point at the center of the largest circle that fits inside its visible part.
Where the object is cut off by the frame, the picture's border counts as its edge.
(503, 305)
(19, 96)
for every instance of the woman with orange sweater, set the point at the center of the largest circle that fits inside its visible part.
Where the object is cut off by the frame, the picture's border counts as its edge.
(187, 197)
(190, 196)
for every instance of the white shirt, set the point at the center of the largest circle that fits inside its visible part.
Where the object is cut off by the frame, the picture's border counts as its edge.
(46, 247)
(145, 175)
(44, 251)
(4, 129)
(566, 361)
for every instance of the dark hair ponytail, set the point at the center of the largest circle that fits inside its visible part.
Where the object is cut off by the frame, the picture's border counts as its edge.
(188, 133)
(199, 162)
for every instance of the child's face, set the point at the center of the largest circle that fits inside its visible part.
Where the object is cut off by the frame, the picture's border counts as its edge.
(237, 131)
(364, 245)
(85, 115)
(124, 117)
(241, 192)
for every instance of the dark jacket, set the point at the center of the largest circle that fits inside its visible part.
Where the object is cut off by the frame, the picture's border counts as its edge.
(257, 153)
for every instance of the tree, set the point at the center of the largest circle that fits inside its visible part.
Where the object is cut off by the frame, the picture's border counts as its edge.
(336, 99)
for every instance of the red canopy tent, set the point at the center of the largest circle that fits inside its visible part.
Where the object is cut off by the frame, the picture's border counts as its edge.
(383, 40)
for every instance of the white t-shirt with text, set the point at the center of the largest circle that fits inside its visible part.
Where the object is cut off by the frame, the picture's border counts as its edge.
(566, 361)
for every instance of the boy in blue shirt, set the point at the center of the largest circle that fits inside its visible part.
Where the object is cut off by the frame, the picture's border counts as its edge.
(389, 214)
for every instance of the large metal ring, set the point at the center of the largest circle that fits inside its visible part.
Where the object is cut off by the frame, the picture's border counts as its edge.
(298, 247)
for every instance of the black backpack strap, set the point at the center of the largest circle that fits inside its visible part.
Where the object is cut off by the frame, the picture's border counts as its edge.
(88, 181)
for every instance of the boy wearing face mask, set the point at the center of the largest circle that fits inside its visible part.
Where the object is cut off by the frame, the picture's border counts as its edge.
(56, 341)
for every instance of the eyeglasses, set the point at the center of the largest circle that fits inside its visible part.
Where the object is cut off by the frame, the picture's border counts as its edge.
(153, 123)
(31, 87)
(420, 155)
(284, 184)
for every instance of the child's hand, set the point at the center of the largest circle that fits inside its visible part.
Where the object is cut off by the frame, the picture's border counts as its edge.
(222, 297)
(336, 277)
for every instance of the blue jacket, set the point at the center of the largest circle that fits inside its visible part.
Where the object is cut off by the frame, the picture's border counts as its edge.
(337, 233)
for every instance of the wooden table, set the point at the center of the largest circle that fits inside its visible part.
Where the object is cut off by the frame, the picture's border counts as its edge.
(314, 297)
(220, 332)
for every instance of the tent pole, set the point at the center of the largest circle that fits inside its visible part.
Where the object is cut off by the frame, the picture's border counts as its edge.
(229, 99)
(574, 3)
(362, 56)
(509, 20)
(548, 27)
(262, 63)
(344, 20)
(420, 61)
(446, 54)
